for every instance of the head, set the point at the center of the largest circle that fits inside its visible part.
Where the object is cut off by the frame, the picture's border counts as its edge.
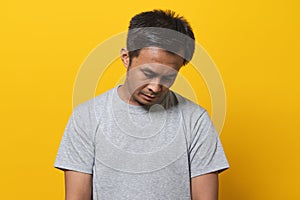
(159, 43)
(164, 29)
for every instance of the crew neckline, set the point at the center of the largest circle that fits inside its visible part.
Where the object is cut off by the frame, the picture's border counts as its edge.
(121, 104)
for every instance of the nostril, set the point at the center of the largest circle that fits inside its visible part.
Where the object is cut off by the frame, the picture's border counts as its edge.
(155, 88)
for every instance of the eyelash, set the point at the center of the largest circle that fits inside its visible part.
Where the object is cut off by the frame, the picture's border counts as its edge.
(165, 80)
(149, 75)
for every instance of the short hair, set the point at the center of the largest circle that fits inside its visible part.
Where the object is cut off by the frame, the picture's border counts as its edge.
(163, 29)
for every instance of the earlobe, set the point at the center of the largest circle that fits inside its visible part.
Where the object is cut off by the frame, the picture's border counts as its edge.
(124, 57)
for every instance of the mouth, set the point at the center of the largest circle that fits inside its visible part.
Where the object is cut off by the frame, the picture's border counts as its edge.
(149, 97)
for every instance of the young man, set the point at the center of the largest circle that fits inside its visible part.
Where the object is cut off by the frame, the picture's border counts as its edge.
(141, 140)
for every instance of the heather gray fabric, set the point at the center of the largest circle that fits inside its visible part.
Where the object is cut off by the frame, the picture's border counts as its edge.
(135, 153)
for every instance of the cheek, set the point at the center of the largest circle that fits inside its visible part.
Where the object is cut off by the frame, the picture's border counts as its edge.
(137, 80)
(136, 84)
(164, 89)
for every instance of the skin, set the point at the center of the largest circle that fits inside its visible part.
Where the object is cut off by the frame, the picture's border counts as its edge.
(205, 187)
(148, 80)
(78, 186)
(149, 76)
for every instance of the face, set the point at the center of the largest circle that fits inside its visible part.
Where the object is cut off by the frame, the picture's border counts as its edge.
(149, 76)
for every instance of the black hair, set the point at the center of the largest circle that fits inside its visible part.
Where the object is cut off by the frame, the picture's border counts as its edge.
(164, 29)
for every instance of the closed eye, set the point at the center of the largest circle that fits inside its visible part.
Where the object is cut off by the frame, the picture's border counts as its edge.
(149, 75)
(170, 77)
(167, 79)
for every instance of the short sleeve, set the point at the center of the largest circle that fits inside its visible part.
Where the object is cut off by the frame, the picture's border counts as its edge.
(206, 151)
(76, 150)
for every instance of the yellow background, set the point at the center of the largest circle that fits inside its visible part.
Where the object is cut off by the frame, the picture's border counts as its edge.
(255, 45)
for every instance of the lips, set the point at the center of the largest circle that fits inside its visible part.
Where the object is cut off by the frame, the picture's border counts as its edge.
(148, 97)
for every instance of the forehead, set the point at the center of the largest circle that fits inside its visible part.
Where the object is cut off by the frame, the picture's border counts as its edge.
(158, 59)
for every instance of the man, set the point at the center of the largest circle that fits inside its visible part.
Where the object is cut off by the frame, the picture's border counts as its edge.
(141, 140)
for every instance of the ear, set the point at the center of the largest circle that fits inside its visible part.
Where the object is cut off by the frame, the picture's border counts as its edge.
(124, 57)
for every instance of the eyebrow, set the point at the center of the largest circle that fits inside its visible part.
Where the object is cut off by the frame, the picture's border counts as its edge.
(147, 70)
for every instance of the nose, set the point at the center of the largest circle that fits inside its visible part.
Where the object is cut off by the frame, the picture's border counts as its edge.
(154, 87)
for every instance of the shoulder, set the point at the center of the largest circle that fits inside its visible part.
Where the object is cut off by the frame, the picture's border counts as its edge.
(95, 102)
(194, 115)
(187, 106)
(89, 110)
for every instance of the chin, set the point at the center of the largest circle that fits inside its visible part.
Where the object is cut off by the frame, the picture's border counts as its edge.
(143, 102)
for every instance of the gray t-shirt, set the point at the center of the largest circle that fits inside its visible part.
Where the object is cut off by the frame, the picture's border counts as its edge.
(134, 153)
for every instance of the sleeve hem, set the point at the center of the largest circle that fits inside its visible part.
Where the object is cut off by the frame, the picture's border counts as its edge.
(207, 171)
(72, 168)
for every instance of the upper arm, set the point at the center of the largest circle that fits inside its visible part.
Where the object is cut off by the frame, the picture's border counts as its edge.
(205, 187)
(78, 185)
